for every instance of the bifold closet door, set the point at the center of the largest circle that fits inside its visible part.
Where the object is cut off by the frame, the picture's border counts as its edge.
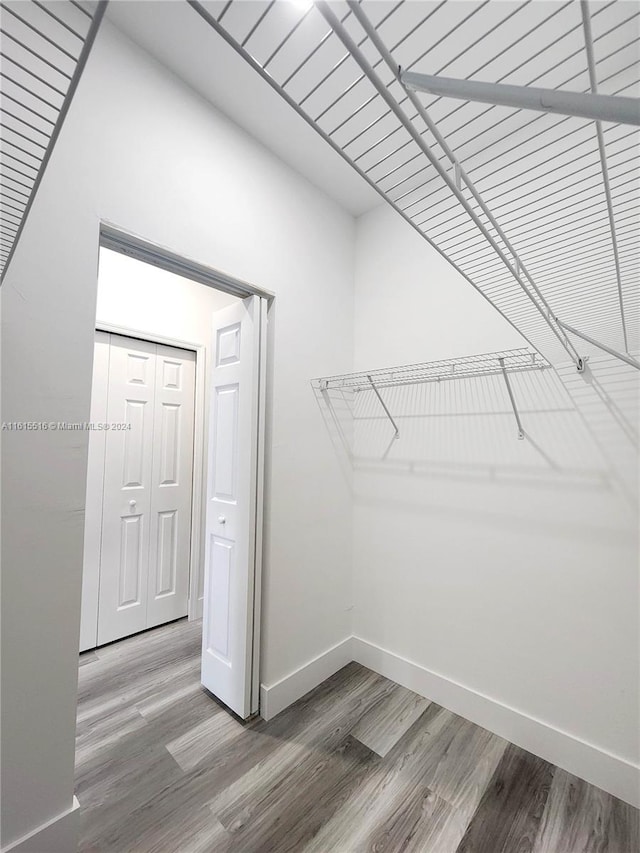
(232, 506)
(126, 505)
(171, 486)
(146, 504)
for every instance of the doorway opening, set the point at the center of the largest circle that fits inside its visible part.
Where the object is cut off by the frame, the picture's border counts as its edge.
(173, 524)
(137, 546)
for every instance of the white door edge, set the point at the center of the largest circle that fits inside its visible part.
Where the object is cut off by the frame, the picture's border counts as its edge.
(259, 511)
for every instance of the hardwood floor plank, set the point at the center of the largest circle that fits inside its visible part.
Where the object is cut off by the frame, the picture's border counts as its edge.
(111, 794)
(208, 779)
(102, 734)
(380, 794)
(385, 723)
(320, 733)
(623, 827)
(181, 694)
(202, 740)
(511, 809)
(158, 761)
(182, 714)
(466, 766)
(442, 750)
(583, 819)
(193, 831)
(421, 822)
(103, 690)
(304, 799)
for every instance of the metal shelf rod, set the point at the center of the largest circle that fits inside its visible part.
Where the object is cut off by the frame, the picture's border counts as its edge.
(512, 398)
(41, 34)
(577, 104)
(384, 406)
(31, 73)
(593, 79)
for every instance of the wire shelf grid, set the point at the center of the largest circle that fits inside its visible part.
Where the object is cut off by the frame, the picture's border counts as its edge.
(553, 162)
(44, 46)
(466, 367)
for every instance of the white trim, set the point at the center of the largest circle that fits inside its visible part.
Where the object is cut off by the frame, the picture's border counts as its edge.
(198, 499)
(278, 696)
(263, 307)
(115, 238)
(610, 772)
(58, 835)
(586, 760)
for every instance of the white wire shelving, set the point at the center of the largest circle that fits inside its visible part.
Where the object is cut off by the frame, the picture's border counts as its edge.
(537, 211)
(487, 364)
(500, 363)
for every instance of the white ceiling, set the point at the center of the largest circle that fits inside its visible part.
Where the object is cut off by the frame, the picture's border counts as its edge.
(201, 58)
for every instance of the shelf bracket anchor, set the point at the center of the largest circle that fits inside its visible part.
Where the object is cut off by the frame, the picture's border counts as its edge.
(386, 411)
(628, 359)
(512, 398)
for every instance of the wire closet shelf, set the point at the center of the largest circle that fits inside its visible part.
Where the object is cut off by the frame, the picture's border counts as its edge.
(459, 172)
(45, 46)
(467, 367)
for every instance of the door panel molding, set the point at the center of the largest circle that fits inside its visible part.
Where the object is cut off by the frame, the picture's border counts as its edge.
(228, 658)
(196, 559)
(142, 574)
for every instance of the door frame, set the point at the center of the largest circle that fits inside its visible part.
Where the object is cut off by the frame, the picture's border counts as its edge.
(198, 482)
(114, 238)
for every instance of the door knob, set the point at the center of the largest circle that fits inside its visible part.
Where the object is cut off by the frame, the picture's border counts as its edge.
(221, 519)
(132, 503)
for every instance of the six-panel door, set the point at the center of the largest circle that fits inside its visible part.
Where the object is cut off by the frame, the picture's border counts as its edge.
(228, 624)
(171, 481)
(146, 501)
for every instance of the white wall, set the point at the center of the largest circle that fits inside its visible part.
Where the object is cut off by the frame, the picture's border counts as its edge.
(506, 567)
(143, 153)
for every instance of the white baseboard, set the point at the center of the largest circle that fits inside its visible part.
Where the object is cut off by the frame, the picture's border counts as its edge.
(58, 835)
(585, 760)
(278, 696)
(591, 763)
(196, 609)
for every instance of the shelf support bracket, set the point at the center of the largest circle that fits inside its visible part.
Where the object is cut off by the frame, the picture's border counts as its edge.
(512, 398)
(621, 355)
(383, 404)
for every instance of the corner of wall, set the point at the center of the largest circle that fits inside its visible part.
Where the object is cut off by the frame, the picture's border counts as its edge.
(278, 696)
(58, 835)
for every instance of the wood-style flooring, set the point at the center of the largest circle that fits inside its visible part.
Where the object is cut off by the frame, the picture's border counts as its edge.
(359, 765)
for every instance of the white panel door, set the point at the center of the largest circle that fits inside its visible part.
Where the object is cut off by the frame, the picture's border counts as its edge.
(126, 524)
(171, 485)
(227, 641)
(93, 502)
